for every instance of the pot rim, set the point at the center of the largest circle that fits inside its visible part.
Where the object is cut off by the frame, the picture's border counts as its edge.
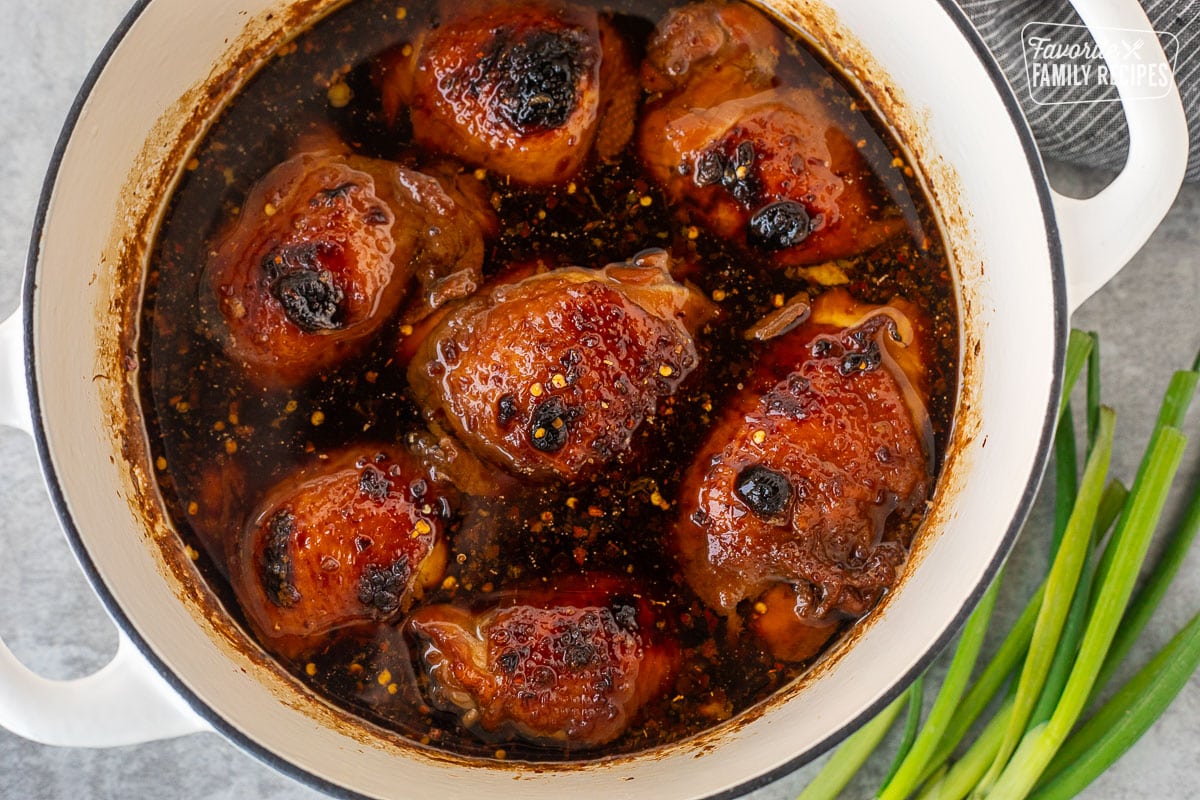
(249, 745)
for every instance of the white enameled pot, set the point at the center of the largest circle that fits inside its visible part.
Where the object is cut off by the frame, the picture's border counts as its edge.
(1023, 255)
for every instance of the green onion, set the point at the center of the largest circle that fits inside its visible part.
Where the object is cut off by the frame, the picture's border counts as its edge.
(1066, 471)
(908, 775)
(1178, 398)
(852, 754)
(1175, 404)
(1131, 539)
(1111, 506)
(1068, 644)
(1124, 718)
(1079, 349)
(1093, 391)
(1148, 597)
(1182, 389)
(1060, 589)
(961, 779)
(1014, 645)
(916, 694)
(989, 682)
(1111, 503)
(1082, 348)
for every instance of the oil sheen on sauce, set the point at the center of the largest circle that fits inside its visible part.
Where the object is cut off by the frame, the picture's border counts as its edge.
(225, 437)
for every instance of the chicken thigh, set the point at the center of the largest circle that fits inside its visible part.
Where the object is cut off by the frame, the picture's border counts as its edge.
(571, 663)
(792, 502)
(357, 538)
(529, 89)
(325, 249)
(550, 377)
(753, 154)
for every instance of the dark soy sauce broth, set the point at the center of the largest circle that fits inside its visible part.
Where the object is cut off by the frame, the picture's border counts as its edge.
(220, 441)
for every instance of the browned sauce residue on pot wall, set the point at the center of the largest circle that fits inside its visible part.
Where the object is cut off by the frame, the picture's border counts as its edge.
(159, 166)
(716, 645)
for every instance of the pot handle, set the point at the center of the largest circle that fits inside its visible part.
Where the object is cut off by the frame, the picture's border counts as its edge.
(1101, 234)
(126, 701)
(14, 404)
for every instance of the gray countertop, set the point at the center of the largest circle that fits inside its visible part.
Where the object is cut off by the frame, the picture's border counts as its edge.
(1148, 318)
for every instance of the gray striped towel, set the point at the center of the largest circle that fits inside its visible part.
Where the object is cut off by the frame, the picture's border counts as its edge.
(1092, 134)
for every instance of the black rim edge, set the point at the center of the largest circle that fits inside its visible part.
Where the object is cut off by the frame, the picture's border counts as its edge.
(286, 767)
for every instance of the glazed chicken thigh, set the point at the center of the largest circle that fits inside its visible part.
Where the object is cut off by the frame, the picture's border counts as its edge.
(528, 89)
(550, 376)
(357, 538)
(787, 503)
(572, 663)
(324, 251)
(756, 157)
(723, 50)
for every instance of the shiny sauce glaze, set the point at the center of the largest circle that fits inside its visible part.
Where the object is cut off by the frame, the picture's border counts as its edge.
(546, 381)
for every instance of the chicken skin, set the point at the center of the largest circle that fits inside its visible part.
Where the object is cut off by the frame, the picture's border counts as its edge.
(571, 663)
(550, 377)
(797, 482)
(355, 539)
(756, 157)
(324, 251)
(734, 46)
(529, 88)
